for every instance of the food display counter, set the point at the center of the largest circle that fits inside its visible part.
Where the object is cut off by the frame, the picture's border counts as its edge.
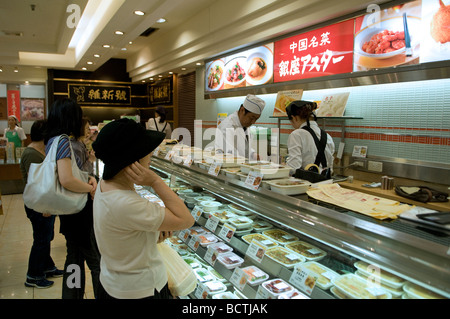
(259, 243)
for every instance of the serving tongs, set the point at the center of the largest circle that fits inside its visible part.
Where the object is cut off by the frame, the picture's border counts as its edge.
(407, 37)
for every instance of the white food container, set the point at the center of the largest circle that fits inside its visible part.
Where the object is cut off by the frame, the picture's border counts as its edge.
(325, 274)
(357, 288)
(395, 292)
(207, 239)
(214, 287)
(289, 258)
(203, 274)
(221, 248)
(255, 276)
(241, 222)
(310, 252)
(225, 295)
(289, 186)
(272, 171)
(239, 210)
(209, 206)
(261, 225)
(243, 232)
(230, 260)
(385, 277)
(224, 215)
(200, 199)
(280, 236)
(417, 292)
(276, 287)
(266, 241)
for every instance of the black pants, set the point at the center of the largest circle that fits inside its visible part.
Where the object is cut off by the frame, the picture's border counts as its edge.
(163, 294)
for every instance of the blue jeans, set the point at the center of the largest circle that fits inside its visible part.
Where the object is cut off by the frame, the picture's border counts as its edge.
(40, 260)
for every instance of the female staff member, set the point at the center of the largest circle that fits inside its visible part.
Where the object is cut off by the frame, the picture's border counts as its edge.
(14, 133)
(158, 123)
(307, 144)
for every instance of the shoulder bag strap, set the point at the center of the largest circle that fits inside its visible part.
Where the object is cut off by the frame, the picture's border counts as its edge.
(156, 125)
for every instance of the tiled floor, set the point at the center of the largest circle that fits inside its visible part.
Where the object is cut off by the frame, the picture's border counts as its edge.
(16, 238)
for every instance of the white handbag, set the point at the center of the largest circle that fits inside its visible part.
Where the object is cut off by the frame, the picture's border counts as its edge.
(43, 192)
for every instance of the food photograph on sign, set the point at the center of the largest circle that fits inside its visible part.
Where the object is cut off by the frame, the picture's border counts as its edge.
(247, 68)
(389, 37)
(32, 109)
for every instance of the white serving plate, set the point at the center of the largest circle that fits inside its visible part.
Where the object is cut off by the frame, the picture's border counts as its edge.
(287, 186)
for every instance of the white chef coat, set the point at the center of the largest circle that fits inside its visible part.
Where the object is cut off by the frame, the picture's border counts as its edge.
(225, 141)
(302, 149)
(159, 126)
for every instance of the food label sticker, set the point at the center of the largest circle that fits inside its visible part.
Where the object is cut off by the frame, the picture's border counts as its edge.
(253, 180)
(184, 234)
(256, 251)
(169, 155)
(329, 275)
(196, 213)
(238, 278)
(201, 292)
(303, 279)
(291, 256)
(376, 290)
(314, 251)
(188, 161)
(227, 232)
(194, 243)
(211, 256)
(214, 169)
(212, 223)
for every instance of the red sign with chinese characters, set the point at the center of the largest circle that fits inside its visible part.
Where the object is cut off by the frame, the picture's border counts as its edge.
(321, 52)
(14, 103)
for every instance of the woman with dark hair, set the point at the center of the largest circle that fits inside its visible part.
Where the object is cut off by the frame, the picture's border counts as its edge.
(158, 123)
(66, 117)
(308, 143)
(40, 263)
(14, 133)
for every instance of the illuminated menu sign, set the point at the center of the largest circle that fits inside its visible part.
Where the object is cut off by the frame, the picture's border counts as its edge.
(321, 52)
(99, 94)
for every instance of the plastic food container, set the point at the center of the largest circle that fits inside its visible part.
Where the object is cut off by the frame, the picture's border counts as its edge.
(418, 292)
(357, 288)
(277, 287)
(272, 171)
(192, 262)
(231, 172)
(395, 292)
(295, 294)
(225, 295)
(324, 274)
(242, 176)
(255, 276)
(289, 186)
(174, 241)
(197, 230)
(338, 294)
(243, 232)
(239, 210)
(209, 206)
(214, 287)
(230, 260)
(216, 275)
(221, 248)
(241, 222)
(247, 167)
(261, 225)
(310, 252)
(207, 239)
(280, 236)
(190, 202)
(200, 199)
(224, 215)
(284, 256)
(266, 241)
(203, 275)
(385, 277)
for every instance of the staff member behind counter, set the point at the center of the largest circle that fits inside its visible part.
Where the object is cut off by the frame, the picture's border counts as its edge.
(308, 143)
(236, 125)
(14, 133)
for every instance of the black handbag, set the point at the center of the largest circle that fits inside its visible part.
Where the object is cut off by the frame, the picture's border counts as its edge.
(421, 193)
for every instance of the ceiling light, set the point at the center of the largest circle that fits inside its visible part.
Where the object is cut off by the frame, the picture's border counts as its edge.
(106, 46)
(90, 62)
(161, 20)
(119, 32)
(96, 55)
(183, 69)
(84, 69)
(143, 81)
(198, 63)
(151, 79)
(1, 69)
(26, 82)
(16, 69)
(124, 49)
(131, 42)
(170, 72)
(139, 13)
(160, 76)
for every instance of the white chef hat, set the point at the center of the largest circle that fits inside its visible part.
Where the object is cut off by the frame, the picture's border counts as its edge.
(254, 104)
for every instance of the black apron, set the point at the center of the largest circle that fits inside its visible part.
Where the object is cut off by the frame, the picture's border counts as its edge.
(156, 126)
(321, 145)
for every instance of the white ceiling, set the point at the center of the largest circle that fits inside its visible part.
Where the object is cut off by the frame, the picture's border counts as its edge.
(37, 33)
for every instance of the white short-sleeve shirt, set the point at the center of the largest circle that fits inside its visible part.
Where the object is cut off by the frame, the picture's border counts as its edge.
(126, 229)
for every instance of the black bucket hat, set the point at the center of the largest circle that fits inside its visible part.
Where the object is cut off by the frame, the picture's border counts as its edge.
(122, 142)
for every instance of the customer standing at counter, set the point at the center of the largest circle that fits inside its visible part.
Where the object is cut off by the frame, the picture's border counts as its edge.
(128, 226)
(308, 143)
(158, 123)
(14, 133)
(237, 124)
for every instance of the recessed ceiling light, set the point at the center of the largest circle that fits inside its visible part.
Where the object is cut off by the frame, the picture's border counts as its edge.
(151, 79)
(198, 63)
(90, 62)
(26, 82)
(96, 55)
(131, 42)
(143, 81)
(84, 69)
(139, 13)
(161, 20)
(170, 72)
(16, 70)
(183, 69)
(106, 46)
(118, 32)
(124, 49)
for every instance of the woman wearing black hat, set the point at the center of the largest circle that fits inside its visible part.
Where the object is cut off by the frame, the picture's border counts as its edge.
(128, 226)
(307, 144)
(159, 123)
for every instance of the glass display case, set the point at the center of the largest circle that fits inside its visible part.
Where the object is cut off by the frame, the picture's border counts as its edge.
(251, 243)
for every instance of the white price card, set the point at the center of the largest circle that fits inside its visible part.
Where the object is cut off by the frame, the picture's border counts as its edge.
(156, 151)
(184, 234)
(214, 169)
(212, 223)
(188, 161)
(211, 256)
(262, 293)
(253, 180)
(169, 155)
(196, 212)
(194, 243)
(227, 232)
(201, 292)
(256, 251)
(238, 278)
(303, 279)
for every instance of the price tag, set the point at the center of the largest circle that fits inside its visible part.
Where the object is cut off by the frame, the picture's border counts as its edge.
(212, 223)
(196, 212)
(256, 251)
(238, 278)
(188, 161)
(201, 292)
(211, 256)
(262, 293)
(303, 279)
(253, 180)
(184, 234)
(214, 169)
(156, 151)
(194, 243)
(169, 155)
(227, 232)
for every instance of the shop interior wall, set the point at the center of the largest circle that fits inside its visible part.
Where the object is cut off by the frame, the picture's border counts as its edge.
(408, 120)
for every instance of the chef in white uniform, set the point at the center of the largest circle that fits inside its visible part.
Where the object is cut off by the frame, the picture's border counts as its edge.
(308, 143)
(232, 136)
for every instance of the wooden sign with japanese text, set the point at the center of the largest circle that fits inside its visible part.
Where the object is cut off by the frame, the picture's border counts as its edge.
(87, 94)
